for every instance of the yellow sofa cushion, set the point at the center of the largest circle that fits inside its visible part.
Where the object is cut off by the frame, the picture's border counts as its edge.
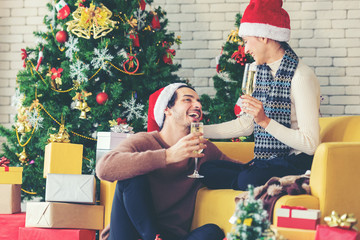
(214, 206)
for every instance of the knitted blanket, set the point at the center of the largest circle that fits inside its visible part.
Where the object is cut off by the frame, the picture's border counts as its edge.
(277, 187)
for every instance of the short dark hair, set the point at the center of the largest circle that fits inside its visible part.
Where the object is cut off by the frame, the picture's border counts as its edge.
(171, 102)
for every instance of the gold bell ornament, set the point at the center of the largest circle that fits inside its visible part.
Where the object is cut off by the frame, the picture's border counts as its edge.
(23, 157)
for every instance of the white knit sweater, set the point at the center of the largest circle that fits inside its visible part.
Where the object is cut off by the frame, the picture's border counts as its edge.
(303, 136)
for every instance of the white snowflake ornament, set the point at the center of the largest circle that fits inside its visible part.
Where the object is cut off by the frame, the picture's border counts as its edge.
(133, 109)
(71, 46)
(101, 56)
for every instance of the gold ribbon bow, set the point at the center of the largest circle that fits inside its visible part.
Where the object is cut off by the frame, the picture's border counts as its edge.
(61, 137)
(346, 221)
(234, 36)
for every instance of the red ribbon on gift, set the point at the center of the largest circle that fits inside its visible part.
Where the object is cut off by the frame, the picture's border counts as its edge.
(292, 208)
(4, 162)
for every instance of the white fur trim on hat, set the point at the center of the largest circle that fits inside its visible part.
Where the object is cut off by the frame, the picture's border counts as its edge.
(163, 100)
(264, 30)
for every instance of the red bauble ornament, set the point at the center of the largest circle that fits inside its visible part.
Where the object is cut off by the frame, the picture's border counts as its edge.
(61, 36)
(101, 98)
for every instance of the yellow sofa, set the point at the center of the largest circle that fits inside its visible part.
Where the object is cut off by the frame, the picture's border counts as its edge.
(334, 180)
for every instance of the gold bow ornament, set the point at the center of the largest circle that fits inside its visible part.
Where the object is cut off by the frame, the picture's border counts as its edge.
(346, 221)
(61, 137)
(91, 21)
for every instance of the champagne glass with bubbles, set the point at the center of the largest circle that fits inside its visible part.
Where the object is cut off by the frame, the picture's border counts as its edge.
(196, 127)
(247, 85)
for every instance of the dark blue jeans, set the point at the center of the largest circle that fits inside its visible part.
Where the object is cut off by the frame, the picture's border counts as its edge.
(228, 175)
(133, 216)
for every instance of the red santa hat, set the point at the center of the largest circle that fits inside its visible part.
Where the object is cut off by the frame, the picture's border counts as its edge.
(265, 18)
(158, 102)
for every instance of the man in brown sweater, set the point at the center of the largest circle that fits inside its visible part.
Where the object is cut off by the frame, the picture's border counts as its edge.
(153, 193)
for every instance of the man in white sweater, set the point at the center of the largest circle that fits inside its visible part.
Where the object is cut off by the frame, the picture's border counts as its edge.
(282, 112)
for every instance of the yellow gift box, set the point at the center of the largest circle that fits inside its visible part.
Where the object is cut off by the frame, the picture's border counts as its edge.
(107, 190)
(13, 176)
(63, 158)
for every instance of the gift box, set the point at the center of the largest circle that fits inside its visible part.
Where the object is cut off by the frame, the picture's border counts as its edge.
(107, 190)
(10, 200)
(107, 141)
(12, 175)
(55, 234)
(63, 158)
(70, 188)
(324, 232)
(9, 225)
(298, 217)
(64, 215)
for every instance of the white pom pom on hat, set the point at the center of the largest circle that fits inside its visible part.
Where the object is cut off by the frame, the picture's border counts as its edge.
(158, 102)
(265, 18)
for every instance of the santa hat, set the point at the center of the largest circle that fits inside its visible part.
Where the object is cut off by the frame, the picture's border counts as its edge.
(266, 18)
(158, 102)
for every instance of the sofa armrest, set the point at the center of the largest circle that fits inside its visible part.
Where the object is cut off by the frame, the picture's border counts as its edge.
(335, 178)
(214, 206)
(241, 151)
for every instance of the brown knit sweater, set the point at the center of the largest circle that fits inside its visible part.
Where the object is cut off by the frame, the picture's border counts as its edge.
(172, 191)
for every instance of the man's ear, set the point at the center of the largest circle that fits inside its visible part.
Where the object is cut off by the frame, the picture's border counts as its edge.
(167, 111)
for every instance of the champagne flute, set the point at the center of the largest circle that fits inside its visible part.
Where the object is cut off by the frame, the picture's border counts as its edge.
(196, 127)
(247, 85)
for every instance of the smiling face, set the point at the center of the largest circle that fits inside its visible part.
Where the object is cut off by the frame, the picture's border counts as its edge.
(256, 47)
(187, 107)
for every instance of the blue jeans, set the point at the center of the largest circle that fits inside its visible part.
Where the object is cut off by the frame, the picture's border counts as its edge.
(229, 175)
(133, 215)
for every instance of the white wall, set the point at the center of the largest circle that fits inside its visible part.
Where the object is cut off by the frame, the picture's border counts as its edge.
(325, 34)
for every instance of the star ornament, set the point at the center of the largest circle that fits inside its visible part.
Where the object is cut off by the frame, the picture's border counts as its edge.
(91, 21)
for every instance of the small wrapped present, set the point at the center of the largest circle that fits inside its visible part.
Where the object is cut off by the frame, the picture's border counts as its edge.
(107, 141)
(51, 234)
(298, 217)
(10, 200)
(74, 188)
(10, 224)
(63, 158)
(64, 215)
(11, 175)
(338, 228)
(324, 232)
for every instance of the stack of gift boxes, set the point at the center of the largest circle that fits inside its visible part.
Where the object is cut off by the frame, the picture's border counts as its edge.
(11, 217)
(69, 210)
(338, 228)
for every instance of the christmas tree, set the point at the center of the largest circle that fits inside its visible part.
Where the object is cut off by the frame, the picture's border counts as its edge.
(93, 69)
(228, 80)
(249, 220)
